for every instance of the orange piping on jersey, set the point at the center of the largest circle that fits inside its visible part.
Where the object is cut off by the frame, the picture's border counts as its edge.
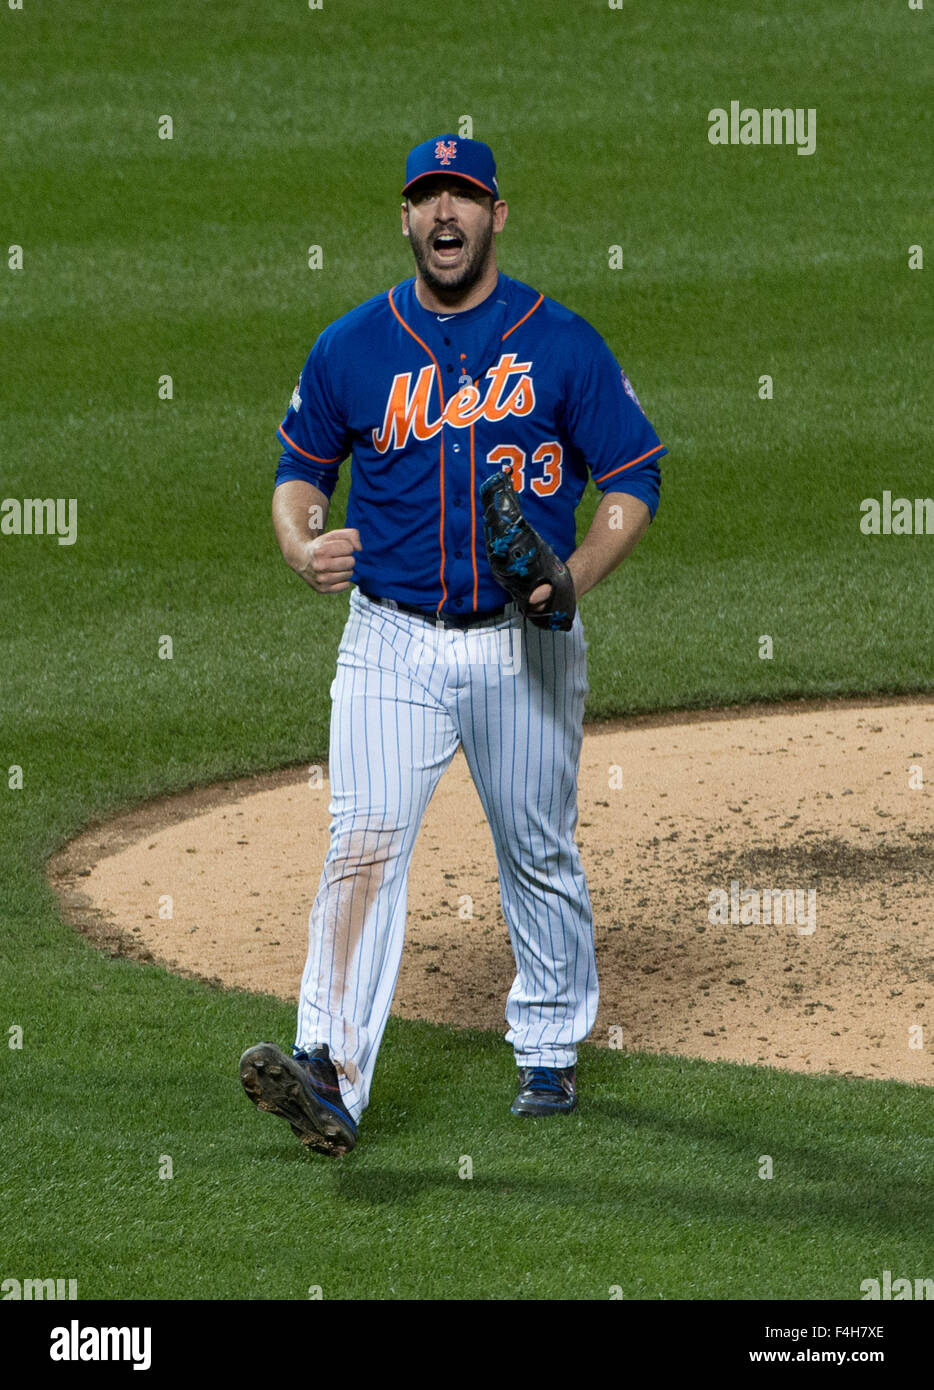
(473, 523)
(523, 318)
(422, 343)
(314, 457)
(623, 466)
(473, 501)
(444, 587)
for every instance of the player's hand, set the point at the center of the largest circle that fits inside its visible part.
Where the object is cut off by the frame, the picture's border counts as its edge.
(327, 562)
(539, 597)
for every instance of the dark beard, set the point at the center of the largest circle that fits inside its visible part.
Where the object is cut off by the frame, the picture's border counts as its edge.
(477, 256)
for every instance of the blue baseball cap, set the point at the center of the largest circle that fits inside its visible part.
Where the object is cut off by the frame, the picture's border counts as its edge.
(450, 154)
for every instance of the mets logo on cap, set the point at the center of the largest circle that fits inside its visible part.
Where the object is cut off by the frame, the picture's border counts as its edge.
(471, 160)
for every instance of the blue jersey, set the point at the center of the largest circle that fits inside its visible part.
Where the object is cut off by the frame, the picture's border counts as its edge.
(428, 405)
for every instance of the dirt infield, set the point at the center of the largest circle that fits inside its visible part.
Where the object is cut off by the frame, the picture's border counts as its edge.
(822, 799)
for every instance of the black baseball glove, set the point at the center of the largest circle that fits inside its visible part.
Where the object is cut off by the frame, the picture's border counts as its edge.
(521, 560)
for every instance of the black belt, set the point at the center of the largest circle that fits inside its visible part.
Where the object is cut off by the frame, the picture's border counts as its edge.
(431, 616)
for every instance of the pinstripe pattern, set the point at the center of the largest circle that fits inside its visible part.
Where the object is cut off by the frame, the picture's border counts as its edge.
(407, 693)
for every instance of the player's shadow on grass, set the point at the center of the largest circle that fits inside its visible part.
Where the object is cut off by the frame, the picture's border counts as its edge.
(702, 1170)
(832, 1206)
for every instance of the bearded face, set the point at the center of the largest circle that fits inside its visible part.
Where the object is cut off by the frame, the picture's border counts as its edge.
(451, 233)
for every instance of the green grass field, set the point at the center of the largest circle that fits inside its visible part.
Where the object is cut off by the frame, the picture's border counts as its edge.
(189, 257)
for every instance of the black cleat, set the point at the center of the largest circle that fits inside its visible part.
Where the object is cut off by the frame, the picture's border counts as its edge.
(545, 1091)
(305, 1091)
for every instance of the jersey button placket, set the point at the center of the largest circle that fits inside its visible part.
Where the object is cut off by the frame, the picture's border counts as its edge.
(450, 367)
(458, 533)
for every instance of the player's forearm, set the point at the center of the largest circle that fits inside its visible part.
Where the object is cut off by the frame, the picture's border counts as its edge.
(619, 523)
(299, 513)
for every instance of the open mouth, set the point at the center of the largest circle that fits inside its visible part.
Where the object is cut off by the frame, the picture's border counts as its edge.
(447, 246)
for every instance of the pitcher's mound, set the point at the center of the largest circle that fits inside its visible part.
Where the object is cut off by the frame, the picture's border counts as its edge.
(678, 815)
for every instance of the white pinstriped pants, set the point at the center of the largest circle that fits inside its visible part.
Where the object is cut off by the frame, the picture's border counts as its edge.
(406, 695)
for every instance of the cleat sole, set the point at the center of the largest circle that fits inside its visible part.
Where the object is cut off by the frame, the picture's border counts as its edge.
(268, 1078)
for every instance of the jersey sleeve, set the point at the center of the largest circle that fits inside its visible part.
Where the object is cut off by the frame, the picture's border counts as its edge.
(608, 426)
(314, 433)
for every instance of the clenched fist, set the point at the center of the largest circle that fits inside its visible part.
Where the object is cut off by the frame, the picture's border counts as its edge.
(326, 563)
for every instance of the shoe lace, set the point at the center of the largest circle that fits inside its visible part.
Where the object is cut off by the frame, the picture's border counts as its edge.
(321, 1070)
(542, 1079)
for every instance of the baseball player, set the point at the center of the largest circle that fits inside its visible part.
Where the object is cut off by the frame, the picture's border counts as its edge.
(474, 409)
